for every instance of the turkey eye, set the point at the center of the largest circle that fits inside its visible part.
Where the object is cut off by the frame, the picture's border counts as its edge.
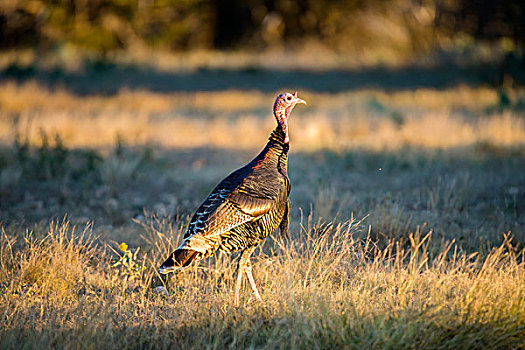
(289, 98)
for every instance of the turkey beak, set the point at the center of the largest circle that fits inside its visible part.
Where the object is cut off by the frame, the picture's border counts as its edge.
(297, 99)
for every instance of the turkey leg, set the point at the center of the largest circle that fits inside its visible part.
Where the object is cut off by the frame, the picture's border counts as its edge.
(248, 270)
(244, 265)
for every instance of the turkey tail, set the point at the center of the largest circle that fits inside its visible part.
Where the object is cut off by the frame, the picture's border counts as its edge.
(179, 258)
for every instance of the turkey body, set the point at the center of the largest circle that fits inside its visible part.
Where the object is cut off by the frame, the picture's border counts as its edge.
(245, 207)
(257, 193)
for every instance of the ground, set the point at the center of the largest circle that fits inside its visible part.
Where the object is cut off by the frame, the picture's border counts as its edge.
(408, 203)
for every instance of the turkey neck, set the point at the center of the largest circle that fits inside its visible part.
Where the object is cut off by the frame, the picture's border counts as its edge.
(275, 153)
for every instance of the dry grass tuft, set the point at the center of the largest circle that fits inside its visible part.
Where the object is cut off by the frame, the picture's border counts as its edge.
(326, 286)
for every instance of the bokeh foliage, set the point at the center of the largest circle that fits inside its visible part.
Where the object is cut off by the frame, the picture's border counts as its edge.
(104, 25)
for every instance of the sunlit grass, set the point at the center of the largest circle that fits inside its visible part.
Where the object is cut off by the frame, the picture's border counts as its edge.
(372, 120)
(325, 286)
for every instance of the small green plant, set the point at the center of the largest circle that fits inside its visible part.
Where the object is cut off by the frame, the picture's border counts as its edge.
(130, 268)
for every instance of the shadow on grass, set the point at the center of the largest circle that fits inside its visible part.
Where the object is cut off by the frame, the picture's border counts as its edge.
(288, 331)
(108, 78)
(473, 196)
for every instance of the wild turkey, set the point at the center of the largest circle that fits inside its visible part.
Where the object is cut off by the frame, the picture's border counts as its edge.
(244, 208)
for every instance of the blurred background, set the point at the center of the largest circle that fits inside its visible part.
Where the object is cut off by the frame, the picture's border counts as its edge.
(375, 31)
(118, 109)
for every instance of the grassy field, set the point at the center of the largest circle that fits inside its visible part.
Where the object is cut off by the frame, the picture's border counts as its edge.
(407, 219)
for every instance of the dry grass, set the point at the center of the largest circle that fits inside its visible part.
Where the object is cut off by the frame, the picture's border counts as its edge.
(236, 119)
(324, 287)
(409, 163)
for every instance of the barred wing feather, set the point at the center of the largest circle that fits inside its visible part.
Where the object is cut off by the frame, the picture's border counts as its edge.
(223, 210)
